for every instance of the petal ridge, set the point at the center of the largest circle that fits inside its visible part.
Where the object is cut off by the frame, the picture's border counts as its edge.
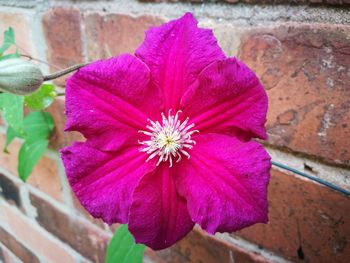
(232, 194)
(176, 52)
(226, 95)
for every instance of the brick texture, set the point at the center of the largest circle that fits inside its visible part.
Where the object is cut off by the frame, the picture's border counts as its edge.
(304, 216)
(114, 34)
(27, 234)
(17, 248)
(305, 70)
(44, 175)
(63, 37)
(200, 247)
(6, 255)
(59, 138)
(80, 234)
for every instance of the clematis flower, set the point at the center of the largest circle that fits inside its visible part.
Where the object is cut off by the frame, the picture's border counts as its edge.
(168, 137)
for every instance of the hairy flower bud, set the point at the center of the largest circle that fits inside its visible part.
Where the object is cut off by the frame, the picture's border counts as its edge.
(18, 76)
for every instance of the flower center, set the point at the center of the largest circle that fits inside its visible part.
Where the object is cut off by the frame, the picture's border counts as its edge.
(169, 139)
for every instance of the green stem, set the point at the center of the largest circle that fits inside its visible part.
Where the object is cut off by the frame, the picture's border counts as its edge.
(63, 72)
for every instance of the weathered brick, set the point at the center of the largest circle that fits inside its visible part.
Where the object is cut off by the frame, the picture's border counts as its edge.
(228, 36)
(17, 248)
(80, 234)
(96, 221)
(59, 138)
(27, 238)
(9, 190)
(304, 216)
(63, 37)
(23, 34)
(114, 34)
(6, 256)
(200, 247)
(305, 70)
(45, 173)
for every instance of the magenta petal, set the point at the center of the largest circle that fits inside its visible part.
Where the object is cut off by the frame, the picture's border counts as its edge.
(225, 183)
(108, 101)
(176, 52)
(103, 182)
(227, 96)
(158, 215)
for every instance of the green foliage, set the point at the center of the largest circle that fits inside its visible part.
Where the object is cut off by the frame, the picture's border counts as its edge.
(29, 154)
(9, 40)
(36, 127)
(12, 107)
(42, 98)
(10, 136)
(123, 249)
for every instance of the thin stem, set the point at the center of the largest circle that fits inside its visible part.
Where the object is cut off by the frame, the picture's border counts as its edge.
(63, 72)
(60, 94)
(313, 178)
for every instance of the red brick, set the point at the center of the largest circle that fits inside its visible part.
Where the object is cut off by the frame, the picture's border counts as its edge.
(32, 238)
(6, 255)
(304, 215)
(80, 234)
(200, 247)
(96, 221)
(20, 250)
(305, 70)
(23, 35)
(63, 37)
(59, 138)
(114, 34)
(44, 176)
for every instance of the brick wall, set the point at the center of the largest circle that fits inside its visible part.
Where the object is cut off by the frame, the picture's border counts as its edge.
(300, 51)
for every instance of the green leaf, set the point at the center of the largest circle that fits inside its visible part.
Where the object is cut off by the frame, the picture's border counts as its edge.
(9, 40)
(123, 249)
(38, 125)
(29, 154)
(10, 135)
(12, 107)
(42, 98)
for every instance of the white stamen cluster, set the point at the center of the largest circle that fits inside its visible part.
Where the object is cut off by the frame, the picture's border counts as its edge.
(168, 140)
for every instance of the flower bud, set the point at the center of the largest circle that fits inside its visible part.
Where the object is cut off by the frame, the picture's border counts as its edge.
(18, 76)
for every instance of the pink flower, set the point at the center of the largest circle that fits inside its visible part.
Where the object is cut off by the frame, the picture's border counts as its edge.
(169, 137)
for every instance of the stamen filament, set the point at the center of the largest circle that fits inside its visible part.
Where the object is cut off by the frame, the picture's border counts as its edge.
(169, 139)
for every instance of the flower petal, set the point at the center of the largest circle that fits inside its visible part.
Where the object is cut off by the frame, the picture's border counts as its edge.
(227, 96)
(158, 215)
(176, 52)
(108, 101)
(225, 183)
(104, 181)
